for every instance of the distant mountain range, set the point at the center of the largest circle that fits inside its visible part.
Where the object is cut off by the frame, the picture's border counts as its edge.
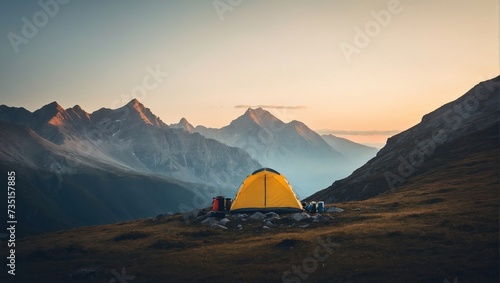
(79, 164)
(308, 160)
(133, 138)
(111, 165)
(457, 132)
(76, 168)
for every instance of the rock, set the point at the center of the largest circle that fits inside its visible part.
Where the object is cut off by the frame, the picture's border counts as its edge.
(318, 218)
(266, 227)
(300, 216)
(304, 226)
(243, 219)
(240, 226)
(240, 215)
(224, 221)
(334, 209)
(272, 215)
(257, 216)
(200, 218)
(209, 221)
(218, 226)
(269, 223)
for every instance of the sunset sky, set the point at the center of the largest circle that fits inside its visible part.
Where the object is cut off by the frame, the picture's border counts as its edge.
(213, 59)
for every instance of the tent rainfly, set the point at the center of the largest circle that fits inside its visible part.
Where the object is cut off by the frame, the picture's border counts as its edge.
(266, 190)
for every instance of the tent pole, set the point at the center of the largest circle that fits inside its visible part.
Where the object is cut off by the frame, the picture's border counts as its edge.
(265, 190)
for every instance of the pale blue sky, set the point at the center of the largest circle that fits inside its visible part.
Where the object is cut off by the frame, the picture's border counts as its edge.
(285, 53)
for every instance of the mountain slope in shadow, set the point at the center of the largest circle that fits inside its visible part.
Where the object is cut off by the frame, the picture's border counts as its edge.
(436, 140)
(57, 188)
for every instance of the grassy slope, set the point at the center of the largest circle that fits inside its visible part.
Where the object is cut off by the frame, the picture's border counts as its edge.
(434, 228)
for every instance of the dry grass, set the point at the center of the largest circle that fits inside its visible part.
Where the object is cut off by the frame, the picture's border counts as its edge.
(437, 227)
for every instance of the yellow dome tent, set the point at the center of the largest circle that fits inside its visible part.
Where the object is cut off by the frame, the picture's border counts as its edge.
(265, 190)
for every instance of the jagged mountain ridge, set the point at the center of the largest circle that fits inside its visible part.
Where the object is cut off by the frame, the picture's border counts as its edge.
(57, 188)
(291, 148)
(439, 138)
(133, 137)
(267, 137)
